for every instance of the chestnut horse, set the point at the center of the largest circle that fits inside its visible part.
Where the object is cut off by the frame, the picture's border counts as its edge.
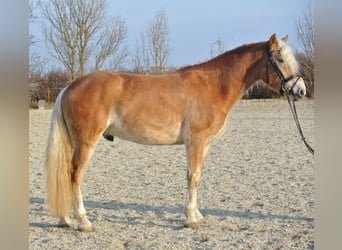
(189, 106)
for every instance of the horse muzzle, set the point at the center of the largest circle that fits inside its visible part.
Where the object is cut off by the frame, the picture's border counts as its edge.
(296, 87)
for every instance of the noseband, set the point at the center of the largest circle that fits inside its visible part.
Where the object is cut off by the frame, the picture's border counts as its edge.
(273, 61)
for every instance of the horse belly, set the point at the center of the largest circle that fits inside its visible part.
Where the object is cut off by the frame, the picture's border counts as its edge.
(145, 132)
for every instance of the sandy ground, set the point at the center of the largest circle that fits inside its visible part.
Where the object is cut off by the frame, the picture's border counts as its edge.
(256, 190)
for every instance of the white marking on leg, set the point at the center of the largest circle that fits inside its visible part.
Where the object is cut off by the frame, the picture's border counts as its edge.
(191, 210)
(192, 198)
(80, 212)
(79, 209)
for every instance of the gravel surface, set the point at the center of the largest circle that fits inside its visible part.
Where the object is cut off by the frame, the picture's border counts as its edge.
(257, 188)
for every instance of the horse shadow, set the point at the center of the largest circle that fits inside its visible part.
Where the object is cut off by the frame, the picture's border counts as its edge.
(159, 211)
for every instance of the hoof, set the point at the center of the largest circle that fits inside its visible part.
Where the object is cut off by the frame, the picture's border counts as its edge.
(86, 229)
(85, 224)
(194, 224)
(64, 222)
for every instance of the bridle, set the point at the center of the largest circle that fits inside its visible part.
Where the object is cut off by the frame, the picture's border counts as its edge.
(272, 60)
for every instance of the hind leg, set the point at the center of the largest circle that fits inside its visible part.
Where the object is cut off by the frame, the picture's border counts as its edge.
(65, 222)
(80, 161)
(80, 212)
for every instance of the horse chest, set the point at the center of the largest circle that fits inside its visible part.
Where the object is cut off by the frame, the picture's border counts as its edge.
(218, 130)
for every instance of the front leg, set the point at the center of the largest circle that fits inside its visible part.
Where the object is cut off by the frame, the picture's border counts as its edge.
(193, 216)
(196, 152)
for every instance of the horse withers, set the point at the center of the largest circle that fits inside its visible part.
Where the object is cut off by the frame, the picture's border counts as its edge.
(189, 106)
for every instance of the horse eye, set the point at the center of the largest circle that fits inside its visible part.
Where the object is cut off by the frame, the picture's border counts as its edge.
(280, 60)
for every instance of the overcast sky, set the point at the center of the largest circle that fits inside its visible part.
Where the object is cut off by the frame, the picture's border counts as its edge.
(196, 24)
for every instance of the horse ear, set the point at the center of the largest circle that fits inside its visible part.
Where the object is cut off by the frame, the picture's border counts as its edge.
(284, 39)
(273, 42)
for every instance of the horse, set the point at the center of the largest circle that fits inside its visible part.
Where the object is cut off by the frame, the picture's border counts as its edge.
(189, 106)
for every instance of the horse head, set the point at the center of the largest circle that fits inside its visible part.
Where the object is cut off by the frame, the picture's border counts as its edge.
(283, 68)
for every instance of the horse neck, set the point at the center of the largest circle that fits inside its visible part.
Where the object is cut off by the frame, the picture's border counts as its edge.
(236, 70)
(242, 67)
(233, 72)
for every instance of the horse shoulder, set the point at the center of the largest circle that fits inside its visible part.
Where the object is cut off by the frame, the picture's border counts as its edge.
(209, 109)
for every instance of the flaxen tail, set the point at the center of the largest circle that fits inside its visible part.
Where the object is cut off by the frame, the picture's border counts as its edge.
(58, 163)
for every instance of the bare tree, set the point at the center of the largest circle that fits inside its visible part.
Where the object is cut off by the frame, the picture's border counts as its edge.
(110, 43)
(35, 61)
(305, 32)
(217, 47)
(32, 18)
(305, 37)
(47, 86)
(158, 41)
(141, 59)
(79, 33)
